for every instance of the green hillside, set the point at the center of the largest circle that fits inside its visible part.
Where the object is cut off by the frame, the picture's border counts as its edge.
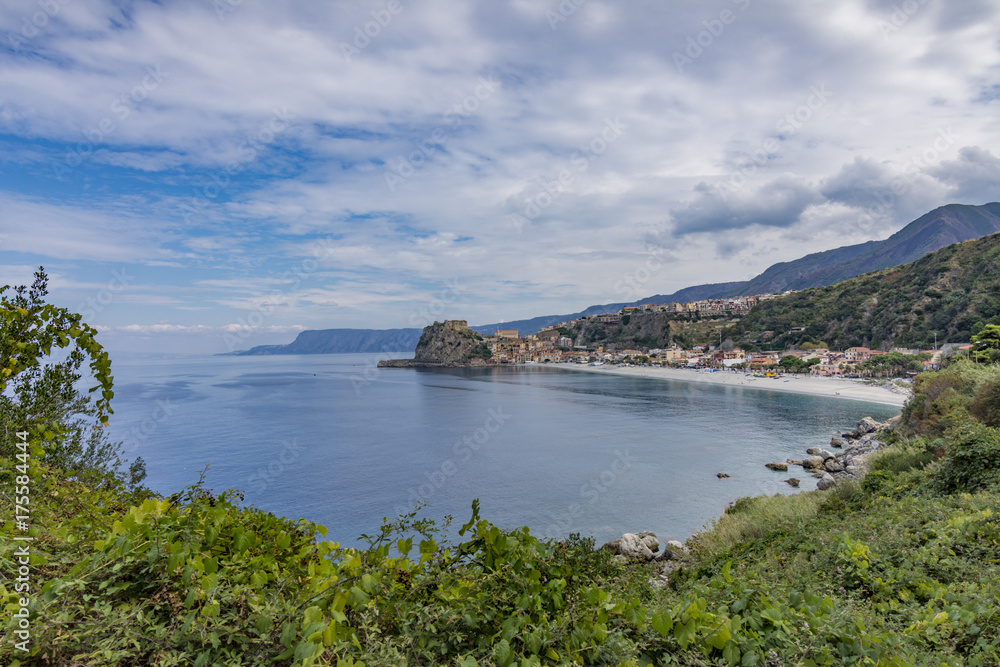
(649, 330)
(952, 292)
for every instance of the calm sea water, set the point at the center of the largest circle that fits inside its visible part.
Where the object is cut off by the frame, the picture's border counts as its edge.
(339, 442)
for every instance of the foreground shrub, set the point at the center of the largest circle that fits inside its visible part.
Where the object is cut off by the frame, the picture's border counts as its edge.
(971, 461)
(986, 405)
(941, 400)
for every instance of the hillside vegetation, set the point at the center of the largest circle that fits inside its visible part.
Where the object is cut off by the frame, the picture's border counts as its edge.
(649, 330)
(903, 569)
(953, 292)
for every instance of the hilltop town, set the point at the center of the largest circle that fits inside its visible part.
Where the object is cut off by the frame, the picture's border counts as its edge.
(561, 343)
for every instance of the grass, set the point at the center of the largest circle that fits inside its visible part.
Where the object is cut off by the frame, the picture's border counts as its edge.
(756, 518)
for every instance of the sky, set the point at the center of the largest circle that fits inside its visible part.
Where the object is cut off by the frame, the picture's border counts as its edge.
(199, 176)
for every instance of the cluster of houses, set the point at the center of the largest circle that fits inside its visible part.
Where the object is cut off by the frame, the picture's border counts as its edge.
(552, 345)
(546, 346)
(828, 363)
(737, 305)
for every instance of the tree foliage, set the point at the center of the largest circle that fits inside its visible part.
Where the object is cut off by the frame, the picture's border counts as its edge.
(986, 345)
(792, 364)
(893, 364)
(42, 396)
(986, 404)
(31, 328)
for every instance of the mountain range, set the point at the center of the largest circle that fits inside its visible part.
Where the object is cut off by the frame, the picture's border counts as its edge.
(945, 296)
(939, 228)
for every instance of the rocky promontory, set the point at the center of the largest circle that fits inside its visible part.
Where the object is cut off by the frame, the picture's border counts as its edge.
(449, 344)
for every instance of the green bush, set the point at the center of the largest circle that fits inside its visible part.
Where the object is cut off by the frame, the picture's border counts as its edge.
(941, 400)
(986, 405)
(971, 461)
(905, 456)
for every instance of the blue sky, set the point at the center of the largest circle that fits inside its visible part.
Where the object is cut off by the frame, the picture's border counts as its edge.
(208, 174)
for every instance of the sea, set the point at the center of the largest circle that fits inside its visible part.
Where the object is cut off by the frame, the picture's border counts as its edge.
(342, 443)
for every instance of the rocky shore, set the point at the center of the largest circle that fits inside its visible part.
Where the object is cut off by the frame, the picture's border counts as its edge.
(868, 437)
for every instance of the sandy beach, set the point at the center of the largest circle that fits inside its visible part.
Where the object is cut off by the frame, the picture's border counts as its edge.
(851, 390)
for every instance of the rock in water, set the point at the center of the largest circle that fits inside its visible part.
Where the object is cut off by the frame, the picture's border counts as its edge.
(777, 466)
(793, 481)
(447, 344)
(722, 475)
(813, 462)
(836, 442)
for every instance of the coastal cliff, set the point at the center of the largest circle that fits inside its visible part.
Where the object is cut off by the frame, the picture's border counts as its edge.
(445, 344)
(341, 341)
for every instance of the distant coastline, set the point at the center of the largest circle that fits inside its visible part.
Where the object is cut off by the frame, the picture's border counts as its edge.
(853, 390)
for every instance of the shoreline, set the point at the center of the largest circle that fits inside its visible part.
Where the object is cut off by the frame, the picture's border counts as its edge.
(851, 390)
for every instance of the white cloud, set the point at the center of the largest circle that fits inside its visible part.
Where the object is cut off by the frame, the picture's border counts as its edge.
(67, 231)
(196, 329)
(158, 100)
